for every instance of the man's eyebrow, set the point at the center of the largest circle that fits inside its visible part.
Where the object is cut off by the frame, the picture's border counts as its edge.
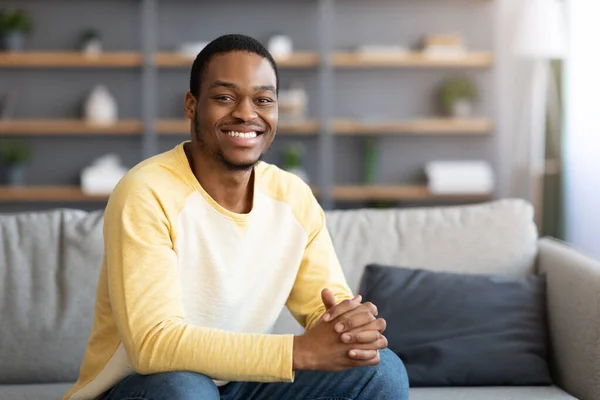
(264, 88)
(224, 84)
(231, 85)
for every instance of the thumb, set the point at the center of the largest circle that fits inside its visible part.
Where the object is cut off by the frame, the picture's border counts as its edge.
(328, 298)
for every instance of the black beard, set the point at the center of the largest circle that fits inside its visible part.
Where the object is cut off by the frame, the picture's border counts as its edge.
(219, 154)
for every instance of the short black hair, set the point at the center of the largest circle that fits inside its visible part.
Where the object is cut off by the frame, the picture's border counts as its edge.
(226, 44)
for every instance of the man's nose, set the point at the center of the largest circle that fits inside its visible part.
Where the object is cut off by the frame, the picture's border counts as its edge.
(245, 111)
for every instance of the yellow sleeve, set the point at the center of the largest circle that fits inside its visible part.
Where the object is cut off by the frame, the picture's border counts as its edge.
(319, 269)
(146, 298)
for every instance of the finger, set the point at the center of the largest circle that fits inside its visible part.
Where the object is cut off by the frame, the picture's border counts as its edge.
(378, 344)
(328, 298)
(342, 308)
(367, 307)
(355, 320)
(369, 336)
(365, 363)
(363, 355)
(378, 325)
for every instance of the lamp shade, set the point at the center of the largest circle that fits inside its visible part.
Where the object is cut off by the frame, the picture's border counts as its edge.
(541, 30)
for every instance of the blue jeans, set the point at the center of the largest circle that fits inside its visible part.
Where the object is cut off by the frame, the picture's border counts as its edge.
(386, 381)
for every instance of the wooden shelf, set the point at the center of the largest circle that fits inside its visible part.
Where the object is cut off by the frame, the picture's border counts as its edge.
(414, 59)
(434, 126)
(47, 194)
(296, 60)
(340, 193)
(130, 59)
(67, 127)
(57, 59)
(396, 193)
(179, 127)
(309, 128)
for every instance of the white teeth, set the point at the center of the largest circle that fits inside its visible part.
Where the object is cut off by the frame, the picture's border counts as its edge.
(244, 135)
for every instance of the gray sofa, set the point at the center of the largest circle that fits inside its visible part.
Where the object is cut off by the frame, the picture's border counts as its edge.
(49, 264)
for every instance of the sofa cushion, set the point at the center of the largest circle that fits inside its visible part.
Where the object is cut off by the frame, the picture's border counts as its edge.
(49, 391)
(491, 393)
(49, 267)
(497, 237)
(463, 329)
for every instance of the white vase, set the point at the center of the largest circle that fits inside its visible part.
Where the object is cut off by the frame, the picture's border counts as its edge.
(101, 107)
(92, 47)
(462, 108)
(280, 46)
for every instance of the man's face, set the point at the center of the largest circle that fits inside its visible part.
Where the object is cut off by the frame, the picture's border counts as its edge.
(236, 113)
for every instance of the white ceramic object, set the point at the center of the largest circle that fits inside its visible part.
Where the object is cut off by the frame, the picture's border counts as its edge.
(460, 177)
(191, 49)
(462, 108)
(101, 107)
(92, 47)
(280, 46)
(293, 104)
(102, 175)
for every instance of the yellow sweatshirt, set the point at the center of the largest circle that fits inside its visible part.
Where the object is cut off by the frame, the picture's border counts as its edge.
(187, 285)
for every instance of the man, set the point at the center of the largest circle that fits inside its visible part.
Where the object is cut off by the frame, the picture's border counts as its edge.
(204, 246)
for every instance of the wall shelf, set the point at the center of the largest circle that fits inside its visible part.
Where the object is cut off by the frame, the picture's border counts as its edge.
(430, 126)
(433, 126)
(130, 59)
(321, 64)
(341, 193)
(47, 194)
(296, 60)
(179, 127)
(415, 59)
(65, 59)
(68, 127)
(396, 193)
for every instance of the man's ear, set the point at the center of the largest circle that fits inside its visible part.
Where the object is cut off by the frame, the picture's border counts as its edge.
(189, 105)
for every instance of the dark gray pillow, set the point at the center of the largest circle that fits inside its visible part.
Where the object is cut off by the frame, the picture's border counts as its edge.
(462, 330)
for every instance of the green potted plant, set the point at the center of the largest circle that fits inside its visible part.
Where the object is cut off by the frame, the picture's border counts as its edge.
(456, 97)
(15, 23)
(15, 156)
(292, 161)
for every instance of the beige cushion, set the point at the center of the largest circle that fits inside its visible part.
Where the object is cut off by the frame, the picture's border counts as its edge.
(497, 237)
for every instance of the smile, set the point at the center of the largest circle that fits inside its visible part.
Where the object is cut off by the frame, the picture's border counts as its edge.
(243, 135)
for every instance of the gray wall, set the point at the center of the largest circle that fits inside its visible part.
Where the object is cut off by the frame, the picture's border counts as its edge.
(385, 93)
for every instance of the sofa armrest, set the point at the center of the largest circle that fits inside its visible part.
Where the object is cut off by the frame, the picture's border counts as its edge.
(573, 303)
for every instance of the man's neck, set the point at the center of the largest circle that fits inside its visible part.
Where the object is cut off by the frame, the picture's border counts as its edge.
(233, 190)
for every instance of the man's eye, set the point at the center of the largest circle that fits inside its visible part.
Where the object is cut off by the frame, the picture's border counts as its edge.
(223, 98)
(265, 100)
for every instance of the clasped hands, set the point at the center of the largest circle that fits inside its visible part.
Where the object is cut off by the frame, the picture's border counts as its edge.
(348, 335)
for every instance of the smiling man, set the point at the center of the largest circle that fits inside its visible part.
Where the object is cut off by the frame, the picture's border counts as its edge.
(206, 244)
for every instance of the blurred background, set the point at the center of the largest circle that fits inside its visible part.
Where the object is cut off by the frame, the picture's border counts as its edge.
(383, 103)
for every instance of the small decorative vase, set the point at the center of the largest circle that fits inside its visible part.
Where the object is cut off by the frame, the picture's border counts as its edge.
(16, 174)
(101, 107)
(462, 108)
(293, 161)
(14, 41)
(92, 46)
(280, 46)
